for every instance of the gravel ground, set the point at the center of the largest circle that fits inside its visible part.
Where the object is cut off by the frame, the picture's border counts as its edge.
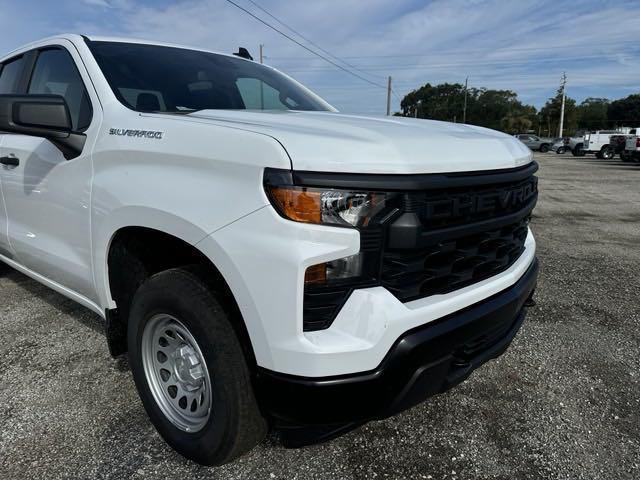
(563, 402)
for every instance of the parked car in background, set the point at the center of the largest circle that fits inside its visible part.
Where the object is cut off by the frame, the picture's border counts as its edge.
(560, 145)
(534, 142)
(632, 148)
(619, 142)
(575, 143)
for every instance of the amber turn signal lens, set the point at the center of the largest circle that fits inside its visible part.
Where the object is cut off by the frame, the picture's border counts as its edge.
(316, 274)
(298, 204)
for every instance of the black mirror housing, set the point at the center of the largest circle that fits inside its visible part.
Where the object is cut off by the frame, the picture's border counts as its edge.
(45, 116)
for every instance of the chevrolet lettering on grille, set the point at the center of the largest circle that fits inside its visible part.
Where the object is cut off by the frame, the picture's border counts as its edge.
(491, 202)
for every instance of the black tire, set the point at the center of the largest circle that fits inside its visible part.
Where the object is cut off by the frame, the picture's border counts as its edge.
(544, 148)
(235, 424)
(607, 153)
(599, 155)
(560, 150)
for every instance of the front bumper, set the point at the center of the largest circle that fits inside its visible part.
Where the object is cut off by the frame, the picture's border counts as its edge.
(266, 271)
(423, 362)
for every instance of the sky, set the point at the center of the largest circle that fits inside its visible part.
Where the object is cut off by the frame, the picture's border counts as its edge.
(521, 45)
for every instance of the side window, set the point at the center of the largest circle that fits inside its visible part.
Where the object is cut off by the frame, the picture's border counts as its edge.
(257, 95)
(55, 73)
(9, 75)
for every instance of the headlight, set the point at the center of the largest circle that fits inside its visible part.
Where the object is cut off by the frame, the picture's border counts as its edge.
(327, 206)
(327, 285)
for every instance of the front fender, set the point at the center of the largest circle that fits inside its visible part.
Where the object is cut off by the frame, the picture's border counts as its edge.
(147, 217)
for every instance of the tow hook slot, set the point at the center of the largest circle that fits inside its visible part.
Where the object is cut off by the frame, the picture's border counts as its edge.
(530, 301)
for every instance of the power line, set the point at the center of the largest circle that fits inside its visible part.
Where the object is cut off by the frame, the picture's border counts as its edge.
(306, 39)
(481, 50)
(304, 46)
(506, 63)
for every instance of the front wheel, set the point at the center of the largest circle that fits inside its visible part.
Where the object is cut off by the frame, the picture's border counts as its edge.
(190, 371)
(544, 148)
(607, 153)
(578, 151)
(560, 151)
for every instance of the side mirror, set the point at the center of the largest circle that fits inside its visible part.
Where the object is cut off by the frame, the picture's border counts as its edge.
(45, 116)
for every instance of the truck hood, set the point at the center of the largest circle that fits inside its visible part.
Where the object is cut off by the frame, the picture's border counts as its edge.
(334, 142)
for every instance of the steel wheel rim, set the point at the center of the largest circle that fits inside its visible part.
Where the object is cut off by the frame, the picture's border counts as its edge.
(176, 373)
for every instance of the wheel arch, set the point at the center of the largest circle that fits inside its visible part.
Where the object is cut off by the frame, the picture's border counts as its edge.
(135, 251)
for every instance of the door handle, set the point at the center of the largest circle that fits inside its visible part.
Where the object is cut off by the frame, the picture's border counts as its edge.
(10, 161)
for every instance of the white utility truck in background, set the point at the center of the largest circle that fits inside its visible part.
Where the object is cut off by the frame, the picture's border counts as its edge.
(599, 143)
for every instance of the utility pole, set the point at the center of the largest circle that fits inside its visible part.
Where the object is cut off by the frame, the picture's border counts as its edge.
(464, 111)
(563, 84)
(261, 56)
(389, 97)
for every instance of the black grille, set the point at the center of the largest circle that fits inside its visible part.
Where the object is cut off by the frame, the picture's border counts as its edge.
(454, 263)
(460, 206)
(322, 304)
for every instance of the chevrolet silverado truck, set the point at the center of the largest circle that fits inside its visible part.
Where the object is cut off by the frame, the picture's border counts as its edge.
(267, 263)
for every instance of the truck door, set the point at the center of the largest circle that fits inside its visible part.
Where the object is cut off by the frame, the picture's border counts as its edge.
(5, 248)
(10, 73)
(47, 196)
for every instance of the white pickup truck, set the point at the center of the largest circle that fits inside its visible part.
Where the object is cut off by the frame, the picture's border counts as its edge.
(266, 262)
(631, 150)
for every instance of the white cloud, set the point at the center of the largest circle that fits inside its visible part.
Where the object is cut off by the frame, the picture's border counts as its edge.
(523, 46)
(98, 3)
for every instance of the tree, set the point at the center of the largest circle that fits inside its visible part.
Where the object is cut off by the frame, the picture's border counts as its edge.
(501, 110)
(440, 102)
(625, 112)
(497, 109)
(592, 114)
(551, 115)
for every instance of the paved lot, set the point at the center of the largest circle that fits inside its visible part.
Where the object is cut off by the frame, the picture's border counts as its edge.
(563, 402)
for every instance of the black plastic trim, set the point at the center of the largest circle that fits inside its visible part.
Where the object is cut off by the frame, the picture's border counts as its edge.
(397, 182)
(27, 69)
(414, 237)
(425, 361)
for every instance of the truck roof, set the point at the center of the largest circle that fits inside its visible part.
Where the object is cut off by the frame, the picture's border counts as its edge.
(99, 38)
(76, 37)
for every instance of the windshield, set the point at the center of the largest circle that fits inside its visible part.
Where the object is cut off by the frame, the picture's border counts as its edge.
(152, 78)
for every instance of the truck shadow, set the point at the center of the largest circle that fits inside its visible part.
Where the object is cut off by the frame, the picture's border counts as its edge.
(58, 302)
